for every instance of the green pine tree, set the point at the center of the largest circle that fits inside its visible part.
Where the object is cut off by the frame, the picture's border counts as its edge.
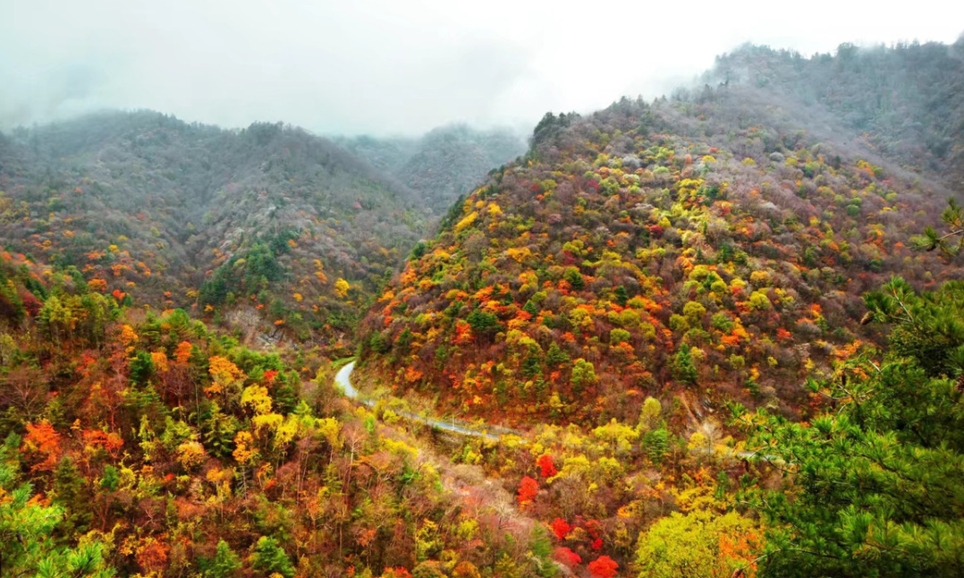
(28, 546)
(270, 558)
(683, 368)
(877, 481)
(225, 563)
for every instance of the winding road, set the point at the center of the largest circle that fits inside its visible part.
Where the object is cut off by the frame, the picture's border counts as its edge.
(343, 380)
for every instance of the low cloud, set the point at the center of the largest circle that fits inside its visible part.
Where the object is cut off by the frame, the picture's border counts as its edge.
(385, 67)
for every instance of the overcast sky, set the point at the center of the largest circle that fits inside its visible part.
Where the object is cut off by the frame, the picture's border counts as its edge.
(401, 66)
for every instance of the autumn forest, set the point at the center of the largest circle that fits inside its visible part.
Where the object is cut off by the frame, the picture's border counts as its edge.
(714, 334)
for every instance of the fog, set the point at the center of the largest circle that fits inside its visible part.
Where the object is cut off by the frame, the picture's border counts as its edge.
(400, 67)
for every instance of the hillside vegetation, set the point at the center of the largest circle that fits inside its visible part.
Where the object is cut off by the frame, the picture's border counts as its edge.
(906, 101)
(725, 328)
(707, 244)
(269, 225)
(147, 445)
(648, 274)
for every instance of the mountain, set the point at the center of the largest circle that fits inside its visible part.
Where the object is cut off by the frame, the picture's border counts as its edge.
(139, 439)
(443, 164)
(906, 100)
(270, 228)
(685, 308)
(711, 247)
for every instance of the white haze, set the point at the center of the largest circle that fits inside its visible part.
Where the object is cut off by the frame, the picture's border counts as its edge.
(398, 66)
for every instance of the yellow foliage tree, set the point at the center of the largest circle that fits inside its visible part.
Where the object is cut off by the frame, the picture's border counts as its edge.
(191, 454)
(244, 451)
(128, 337)
(160, 361)
(699, 543)
(226, 375)
(256, 397)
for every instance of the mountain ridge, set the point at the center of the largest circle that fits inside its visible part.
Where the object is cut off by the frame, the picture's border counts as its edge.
(144, 192)
(661, 201)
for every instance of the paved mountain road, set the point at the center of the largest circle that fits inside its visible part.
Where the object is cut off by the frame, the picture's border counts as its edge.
(343, 380)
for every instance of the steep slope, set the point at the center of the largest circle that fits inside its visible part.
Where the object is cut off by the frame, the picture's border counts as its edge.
(443, 164)
(151, 445)
(907, 101)
(709, 245)
(266, 223)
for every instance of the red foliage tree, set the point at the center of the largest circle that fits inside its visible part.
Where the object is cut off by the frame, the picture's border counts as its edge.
(603, 567)
(547, 468)
(528, 489)
(568, 557)
(110, 441)
(560, 528)
(30, 303)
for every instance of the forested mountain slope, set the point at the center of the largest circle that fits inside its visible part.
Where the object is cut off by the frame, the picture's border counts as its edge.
(906, 101)
(138, 444)
(715, 243)
(267, 223)
(444, 163)
(685, 306)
